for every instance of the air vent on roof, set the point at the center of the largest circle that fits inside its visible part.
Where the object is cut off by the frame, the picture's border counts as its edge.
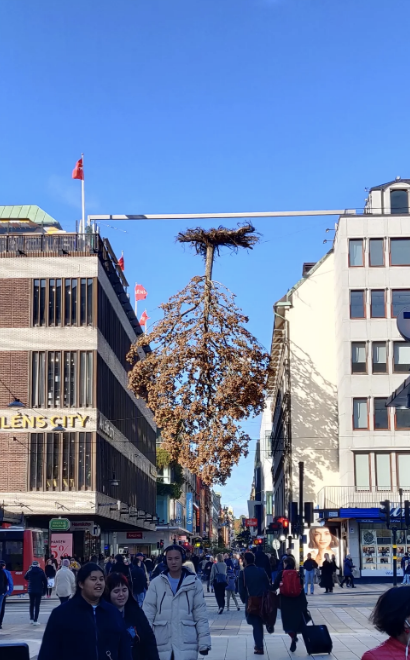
(307, 267)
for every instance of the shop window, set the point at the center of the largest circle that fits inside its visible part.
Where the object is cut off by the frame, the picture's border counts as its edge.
(357, 304)
(86, 378)
(379, 357)
(54, 302)
(356, 255)
(38, 371)
(360, 414)
(376, 547)
(383, 471)
(39, 302)
(359, 365)
(381, 414)
(402, 418)
(399, 298)
(378, 304)
(362, 471)
(401, 352)
(376, 252)
(400, 252)
(399, 202)
(403, 470)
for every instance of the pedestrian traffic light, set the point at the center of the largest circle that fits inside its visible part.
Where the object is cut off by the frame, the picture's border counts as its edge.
(385, 512)
(309, 513)
(161, 543)
(407, 513)
(293, 513)
(285, 523)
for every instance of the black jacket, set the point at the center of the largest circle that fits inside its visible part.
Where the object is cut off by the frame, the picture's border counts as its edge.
(37, 581)
(293, 610)
(144, 645)
(310, 564)
(139, 579)
(50, 571)
(262, 561)
(75, 632)
(159, 568)
(253, 581)
(120, 567)
(4, 583)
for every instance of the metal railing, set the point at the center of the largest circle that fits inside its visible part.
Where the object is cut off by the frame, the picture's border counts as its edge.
(348, 497)
(64, 243)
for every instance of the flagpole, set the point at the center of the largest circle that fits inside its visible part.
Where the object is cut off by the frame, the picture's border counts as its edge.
(83, 200)
(135, 302)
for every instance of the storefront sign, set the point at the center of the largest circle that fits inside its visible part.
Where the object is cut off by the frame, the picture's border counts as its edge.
(82, 526)
(134, 535)
(178, 513)
(21, 421)
(61, 544)
(251, 522)
(189, 512)
(59, 525)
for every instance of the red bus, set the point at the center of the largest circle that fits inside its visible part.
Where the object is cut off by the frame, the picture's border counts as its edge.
(19, 547)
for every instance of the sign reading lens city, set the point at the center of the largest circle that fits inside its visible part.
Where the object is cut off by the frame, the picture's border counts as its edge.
(59, 524)
(21, 421)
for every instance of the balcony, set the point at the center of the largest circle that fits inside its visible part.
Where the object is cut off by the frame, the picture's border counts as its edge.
(347, 497)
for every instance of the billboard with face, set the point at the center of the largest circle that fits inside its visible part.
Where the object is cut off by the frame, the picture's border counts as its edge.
(321, 540)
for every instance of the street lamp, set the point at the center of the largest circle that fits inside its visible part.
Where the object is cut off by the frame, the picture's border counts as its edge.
(59, 429)
(16, 403)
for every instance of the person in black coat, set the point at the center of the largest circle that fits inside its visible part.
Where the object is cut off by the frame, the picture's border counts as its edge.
(144, 645)
(262, 561)
(50, 572)
(328, 568)
(293, 610)
(139, 581)
(253, 581)
(37, 587)
(86, 627)
(120, 567)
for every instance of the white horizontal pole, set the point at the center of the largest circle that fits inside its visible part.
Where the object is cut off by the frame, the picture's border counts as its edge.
(202, 216)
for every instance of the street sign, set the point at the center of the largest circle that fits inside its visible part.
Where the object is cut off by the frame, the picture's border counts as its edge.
(59, 524)
(251, 522)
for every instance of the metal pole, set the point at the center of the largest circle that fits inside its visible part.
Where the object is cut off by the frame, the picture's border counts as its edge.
(301, 482)
(394, 530)
(203, 216)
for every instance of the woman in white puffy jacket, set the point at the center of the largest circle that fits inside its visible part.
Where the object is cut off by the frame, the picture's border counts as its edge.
(175, 608)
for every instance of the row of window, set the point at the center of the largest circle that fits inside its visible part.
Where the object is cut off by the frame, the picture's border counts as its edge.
(60, 461)
(372, 414)
(372, 252)
(63, 302)
(62, 379)
(375, 303)
(375, 470)
(379, 351)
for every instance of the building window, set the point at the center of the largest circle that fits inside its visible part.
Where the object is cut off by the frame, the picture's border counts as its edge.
(381, 414)
(376, 252)
(359, 363)
(70, 302)
(400, 251)
(38, 379)
(60, 461)
(54, 302)
(269, 504)
(360, 414)
(399, 202)
(377, 304)
(403, 470)
(86, 378)
(362, 471)
(357, 304)
(36, 461)
(54, 379)
(399, 298)
(379, 357)
(86, 302)
(383, 472)
(39, 302)
(401, 354)
(402, 418)
(70, 379)
(356, 255)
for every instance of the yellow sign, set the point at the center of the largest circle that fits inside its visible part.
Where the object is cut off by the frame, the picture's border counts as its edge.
(21, 421)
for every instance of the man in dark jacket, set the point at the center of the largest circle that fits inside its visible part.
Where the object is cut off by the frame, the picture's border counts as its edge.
(86, 627)
(159, 568)
(253, 581)
(37, 587)
(310, 566)
(139, 581)
(348, 567)
(262, 561)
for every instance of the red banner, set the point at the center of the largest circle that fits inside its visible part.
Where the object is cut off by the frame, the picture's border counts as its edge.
(251, 522)
(140, 292)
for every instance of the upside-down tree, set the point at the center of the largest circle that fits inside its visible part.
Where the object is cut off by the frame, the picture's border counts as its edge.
(206, 372)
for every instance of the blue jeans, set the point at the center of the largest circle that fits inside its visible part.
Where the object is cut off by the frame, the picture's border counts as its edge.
(406, 579)
(140, 598)
(309, 575)
(273, 575)
(257, 626)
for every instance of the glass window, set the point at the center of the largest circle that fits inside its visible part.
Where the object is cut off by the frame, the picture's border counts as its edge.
(399, 298)
(400, 251)
(381, 414)
(401, 356)
(86, 378)
(403, 470)
(379, 357)
(360, 415)
(52, 461)
(383, 471)
(39, 302)
(38, 369)
(70, 379)
(357, 306)
(399, 202)
(377, 304)
(362, 472)
(54, 380)
(36, 461)
(68, 461)
(86, 302)
(376, 252)
(269, 504)
(84, 461)
(90, 301)
(359, 365)
(54, 302)
(402, 418)
(70, 301)
(12, 553)
(356, 252)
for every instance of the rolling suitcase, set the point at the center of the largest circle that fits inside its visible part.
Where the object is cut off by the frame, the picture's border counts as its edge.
(317, 639)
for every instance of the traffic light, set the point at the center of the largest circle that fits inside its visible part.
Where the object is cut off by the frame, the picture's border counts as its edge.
(309, 513)
(285, 523)
(161, 543)
(273, 527)
(385, 512)
(258, 542)
(293, 512)
(407, 513)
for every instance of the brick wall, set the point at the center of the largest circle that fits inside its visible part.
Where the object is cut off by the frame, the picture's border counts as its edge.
(13, 462)
(14, 375)
(15, 303)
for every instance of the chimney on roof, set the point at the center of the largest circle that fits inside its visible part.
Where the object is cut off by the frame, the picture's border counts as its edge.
(307, 267)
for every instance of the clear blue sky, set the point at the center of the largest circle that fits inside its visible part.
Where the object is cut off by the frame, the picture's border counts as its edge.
(204, 105)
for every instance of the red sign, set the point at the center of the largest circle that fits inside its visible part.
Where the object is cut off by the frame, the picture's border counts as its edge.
(140, 292)
(251, 522)
(134, 535)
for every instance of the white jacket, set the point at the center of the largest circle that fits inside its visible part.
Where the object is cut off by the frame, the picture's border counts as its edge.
(65, 582)
(180, 622)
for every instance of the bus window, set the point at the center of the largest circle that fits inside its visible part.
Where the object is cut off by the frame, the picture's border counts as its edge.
(12, 553)
(38, 544)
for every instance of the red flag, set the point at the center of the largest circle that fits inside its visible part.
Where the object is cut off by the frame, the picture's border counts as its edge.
(144, 318)
(140, 292)
(78, 172)
(121, 262)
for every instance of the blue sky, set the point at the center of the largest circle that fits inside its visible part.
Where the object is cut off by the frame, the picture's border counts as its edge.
(205, 105)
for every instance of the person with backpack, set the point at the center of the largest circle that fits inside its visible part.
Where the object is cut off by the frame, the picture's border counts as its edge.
(139, 581)
(293, 600)
(230, 589)
(218, 579)
(253, 582)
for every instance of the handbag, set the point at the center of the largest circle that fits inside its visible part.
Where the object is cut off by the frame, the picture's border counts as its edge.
(269, 610)
(254, 603)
